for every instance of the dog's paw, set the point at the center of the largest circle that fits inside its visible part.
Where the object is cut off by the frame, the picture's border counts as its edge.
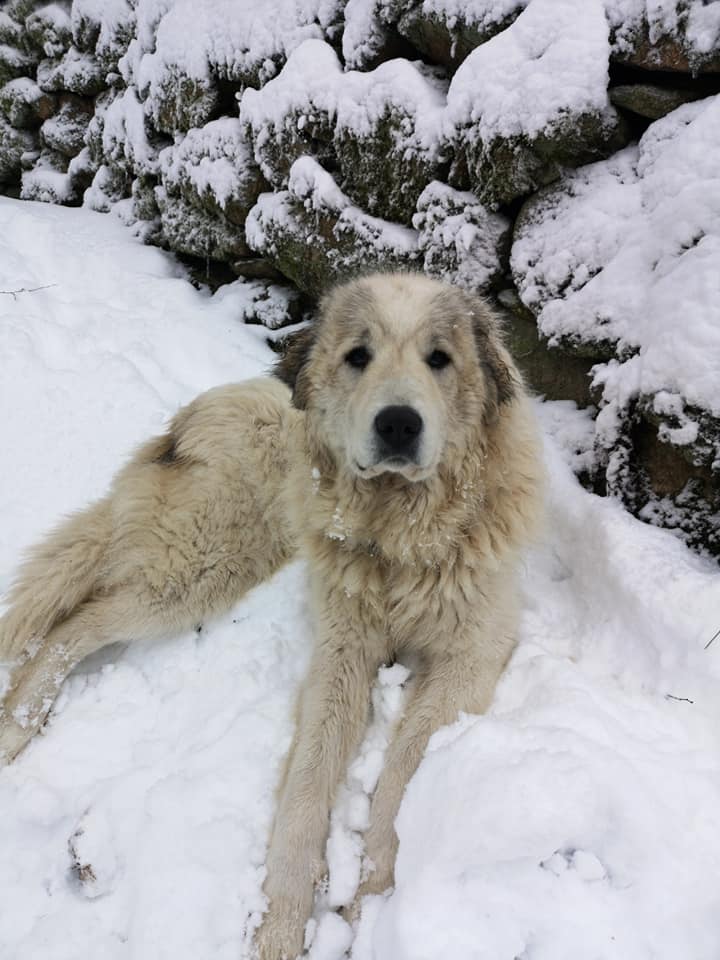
(14, 737)
(380, 881)
(281, 936)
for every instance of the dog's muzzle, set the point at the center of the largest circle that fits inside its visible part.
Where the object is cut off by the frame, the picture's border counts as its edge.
(398, 430)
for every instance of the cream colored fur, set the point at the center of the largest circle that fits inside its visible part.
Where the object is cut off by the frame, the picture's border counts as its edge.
(406, 559)
(189, 525)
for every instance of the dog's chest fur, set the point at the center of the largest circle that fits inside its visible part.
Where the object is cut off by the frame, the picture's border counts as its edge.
(399, 556)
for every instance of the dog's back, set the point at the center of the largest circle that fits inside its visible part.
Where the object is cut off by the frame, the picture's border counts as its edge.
(193, 521)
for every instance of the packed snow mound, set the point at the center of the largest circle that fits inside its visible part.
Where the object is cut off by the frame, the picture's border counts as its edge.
(578, 815)
(625, 252)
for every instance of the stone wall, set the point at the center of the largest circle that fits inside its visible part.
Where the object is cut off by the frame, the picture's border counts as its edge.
(526, 150)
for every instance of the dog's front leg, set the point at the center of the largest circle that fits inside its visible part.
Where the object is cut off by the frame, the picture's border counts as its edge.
(332, 715)
(447, 683)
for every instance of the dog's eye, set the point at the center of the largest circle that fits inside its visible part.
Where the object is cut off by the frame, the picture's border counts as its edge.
(438, 359)
(359, 357)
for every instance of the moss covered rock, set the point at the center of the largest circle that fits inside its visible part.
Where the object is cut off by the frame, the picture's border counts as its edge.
(293, 114)
(446, 32)
(103, 29)
(75, 72)
(13, 144)
(213, 168)
(48, 29)
(179, 101)
(382, 129)
(65, 131)
(316, 236)
(24, 104)
(14, 62)
(190, 229)
(532, 101)
(10, 30)
(461, 240)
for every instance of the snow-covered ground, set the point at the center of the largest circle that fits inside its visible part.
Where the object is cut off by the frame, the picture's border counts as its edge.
(578, 819)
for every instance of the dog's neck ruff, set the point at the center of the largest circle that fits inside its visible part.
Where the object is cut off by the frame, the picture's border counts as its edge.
(393, 520)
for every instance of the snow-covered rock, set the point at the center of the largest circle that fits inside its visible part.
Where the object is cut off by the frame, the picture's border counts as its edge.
(382, 128)
(446, 31)
(13, 144)
(105, 29)
(462, 241)
(316, 236)
(624, 253)
(49, 29)
(65, 131)
(620, 261)
(189, 228)
(677, 35)
(10, 30)
(533, 100)
(76, 72)
(48, 180)
(25, 104)
(14, 62)
(213, 168)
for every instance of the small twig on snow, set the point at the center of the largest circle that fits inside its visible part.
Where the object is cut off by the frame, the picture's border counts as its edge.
(14, 293)
(711, 640)
(670, 696)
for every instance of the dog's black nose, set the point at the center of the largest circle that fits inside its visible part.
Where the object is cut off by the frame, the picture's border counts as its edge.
(398, 429)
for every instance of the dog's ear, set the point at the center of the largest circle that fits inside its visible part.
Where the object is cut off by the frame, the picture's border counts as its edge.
(291, 368)
(492, 353)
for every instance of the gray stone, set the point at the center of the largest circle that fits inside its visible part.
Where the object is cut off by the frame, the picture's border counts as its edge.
(192, 230)
(213, 168)
(461, 240)
(504, 168)
(24, 104)
(48, 29)
(315, 236)
(446, 37)
(649, 100)
(65, 132)
(14, 63)
(13, 144)
(75, 72)
(179, 102)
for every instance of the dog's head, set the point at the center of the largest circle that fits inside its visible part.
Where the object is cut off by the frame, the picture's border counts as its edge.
(399, 374)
